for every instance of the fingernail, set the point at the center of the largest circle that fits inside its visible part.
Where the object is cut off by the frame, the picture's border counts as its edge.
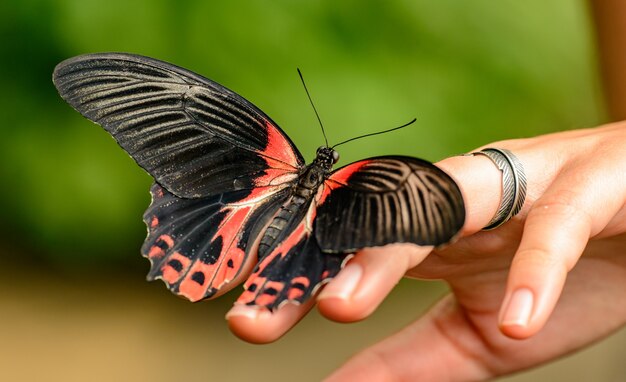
(243, 311)
(519, 308)
(344, 284)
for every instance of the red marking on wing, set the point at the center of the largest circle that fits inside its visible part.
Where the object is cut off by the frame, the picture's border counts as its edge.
(279, 148)
(156, 251)
(249, 295)
(294, 293)
(167, 239)
(282, 162)
(217, 274)
(154, 222)
(190, 288)
(299, 233)
(339, 178)
(230, 232)
(301, 280)
(281, 250)
(171, 274)
(267, 299)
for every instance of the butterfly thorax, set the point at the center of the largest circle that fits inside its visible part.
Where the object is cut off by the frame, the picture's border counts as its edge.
(295, 208)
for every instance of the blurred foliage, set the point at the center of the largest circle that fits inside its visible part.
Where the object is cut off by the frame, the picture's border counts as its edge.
(471, 72)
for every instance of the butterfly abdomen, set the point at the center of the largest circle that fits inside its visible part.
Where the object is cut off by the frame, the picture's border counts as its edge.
(279, 224)
(293, 211)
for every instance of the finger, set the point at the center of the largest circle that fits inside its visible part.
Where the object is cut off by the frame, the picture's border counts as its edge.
(441, 346)
(556, 231)
(362, 285)
(369, 277)
(477, 176)
(260, 326)
(366, 280)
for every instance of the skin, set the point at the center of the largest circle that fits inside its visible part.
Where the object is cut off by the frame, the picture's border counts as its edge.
(566, 247)
(565, 252)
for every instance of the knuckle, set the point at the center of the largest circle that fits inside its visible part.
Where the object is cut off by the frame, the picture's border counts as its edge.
(536, 258)
(564, 206)
(541, 261)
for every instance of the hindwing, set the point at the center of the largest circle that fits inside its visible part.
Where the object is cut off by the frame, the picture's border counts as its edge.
(197, 246)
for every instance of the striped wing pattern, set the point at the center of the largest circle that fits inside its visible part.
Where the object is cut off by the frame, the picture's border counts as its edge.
(194, 136)
(385, 200)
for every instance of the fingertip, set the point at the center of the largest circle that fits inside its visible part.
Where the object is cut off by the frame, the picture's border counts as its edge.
(530, 299)
(366, 280)
(345, 284)
(338, 301)
(516, 332)
(252, 325)
(260, 326)
(516, 313)
(344, 311)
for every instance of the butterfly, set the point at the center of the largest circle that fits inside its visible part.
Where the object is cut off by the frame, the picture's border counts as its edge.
(231, 185)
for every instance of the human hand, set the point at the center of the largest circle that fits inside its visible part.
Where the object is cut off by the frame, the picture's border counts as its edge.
(576, 192)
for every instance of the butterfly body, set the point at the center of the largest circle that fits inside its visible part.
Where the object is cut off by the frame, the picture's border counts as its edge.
(227, 177)
(302, 196)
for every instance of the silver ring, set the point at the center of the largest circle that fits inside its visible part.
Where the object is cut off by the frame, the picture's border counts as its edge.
(514, 184)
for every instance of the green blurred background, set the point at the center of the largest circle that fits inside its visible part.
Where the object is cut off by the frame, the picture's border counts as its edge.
(74, 303)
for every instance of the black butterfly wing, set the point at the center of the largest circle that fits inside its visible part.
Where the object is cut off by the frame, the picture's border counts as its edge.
(194, 136)
(223, 168)
(294, 270)
(385, 200)
(198, 245)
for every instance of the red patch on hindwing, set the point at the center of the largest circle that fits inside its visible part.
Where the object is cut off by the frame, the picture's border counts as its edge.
(162, 243)
(197, 246)
(213, 271)
(298, 286)
(175, 266)
(196, 283)
(263, 292)
(270, 293)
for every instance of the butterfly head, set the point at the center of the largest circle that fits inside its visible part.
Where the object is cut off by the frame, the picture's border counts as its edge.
(327, 156)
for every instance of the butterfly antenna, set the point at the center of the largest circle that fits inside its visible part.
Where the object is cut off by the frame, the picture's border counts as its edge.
(370, 134)
(314, 109)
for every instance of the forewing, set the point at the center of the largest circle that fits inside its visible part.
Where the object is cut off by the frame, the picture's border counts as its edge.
(194, 136)
(385, 200)
(197, 246)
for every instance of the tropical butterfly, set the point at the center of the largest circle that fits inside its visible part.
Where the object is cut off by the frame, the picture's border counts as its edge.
(227, 177)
